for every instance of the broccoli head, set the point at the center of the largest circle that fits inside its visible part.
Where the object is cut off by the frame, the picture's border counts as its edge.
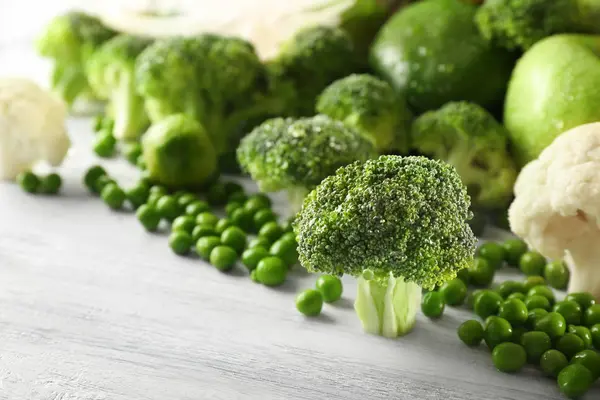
(312, 59)
(518, 24)
(295, 155)
(466, 136)
(371, 106)
(111, 74)
(398, 224)
(69, 40)
(179, 154)
(217, 80)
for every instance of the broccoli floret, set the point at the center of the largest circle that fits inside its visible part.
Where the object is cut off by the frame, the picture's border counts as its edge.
(179, 154)
(518, 24)
(466, 136)
(311, 60)
(111, 73)
(371, 106)
(295, 155)
(217, 80)
(398, 224)
(69, 40)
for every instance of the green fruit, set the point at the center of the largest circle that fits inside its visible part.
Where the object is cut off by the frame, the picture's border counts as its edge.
(548, 95)
(432, 53)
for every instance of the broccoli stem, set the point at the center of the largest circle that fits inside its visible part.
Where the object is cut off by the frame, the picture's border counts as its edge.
(127, 110)
(296, 198)
(69, 84)
(387, 306)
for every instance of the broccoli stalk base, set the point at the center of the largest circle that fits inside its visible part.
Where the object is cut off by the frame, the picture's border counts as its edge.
(387, 306)
(127, 110)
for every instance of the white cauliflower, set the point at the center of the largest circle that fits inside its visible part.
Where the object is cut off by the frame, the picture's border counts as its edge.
(32, 127)
(557, 205)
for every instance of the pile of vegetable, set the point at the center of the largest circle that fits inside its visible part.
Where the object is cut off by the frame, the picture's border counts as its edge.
(398, 131)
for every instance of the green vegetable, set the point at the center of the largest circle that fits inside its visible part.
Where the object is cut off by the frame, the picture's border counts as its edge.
(295, 155)
(232, 206)
(535, 345)
(575, 380)
(516, 295)
(239, 197)
(339, 234)
(595, 331)
(271, 231)
(476, 145)
(184, 223)
(552, 362)
(570, 310)
(509, 357)
(557, 274)
(492, 252)
(179, 153)
(570, 344)
(132, 152)
(534, 315)
(105, 144)
(309, 302)
(102, 182)
(113, 196)
(217, 194)
(69, 40)
(542, 290)
(138, 195)
(222, 225)
(235, 238)
(149, 217)
(589, 359)
(50, 184)
(271, 271)
(331, 288)
(255, 204)
(233, 188)
(168, 208)
(584, 333)
(203, 230)
(223, 257)
(207, 218)
(454, 292)
(553, 324)
(205, 246)
(433, 305)
(432, 53)
(487, 303)
(286, 250)
(507, 288)
(92, 175)
(519, 24)
(497, 331)
(111, 74)
(258, 242)
(532, 263)
(242, 218)
(197, 207)
(29, 181)
(513, 250)
(514, 311)
(180, 242)
(371, 106)
(584, 299)
(481, 273)
(471, 333)
(262, 217)
(592, 315)
(537, 302)
(251, 257)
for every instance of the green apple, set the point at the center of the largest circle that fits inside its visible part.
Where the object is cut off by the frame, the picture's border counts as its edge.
(554, 87)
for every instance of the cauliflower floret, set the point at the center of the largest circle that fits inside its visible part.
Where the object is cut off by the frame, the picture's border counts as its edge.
(32, 127)
(557, 205)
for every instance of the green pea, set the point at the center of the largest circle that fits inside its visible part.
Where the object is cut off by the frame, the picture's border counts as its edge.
(185, 223)
(29, 182)
(463, 275)
(262, 198)
(585, 299)
(517, 295)
(471, 297)
(541, 290)
(309, 302)
(237, 197)
(514, 311)
(532, 263)
(203, 230)
(233, 187)
(592, 315)
(97, 122)
(518, 332)
(533, 281)
(262, 217)
(235, 238)
(50, 184)
(557, 274)
(113, 196)
(493, 253)
(569, 309)
(102, 182)
(481, 273)
(168, 208)
(432, 305)
(289, 237)
(286, 250)
(185, 200)
(553, 324)
(180, 242)
(454, 292)
(533, 316)
(589, 359)
(256, 203)
(138, 195)
(595, 331)
(132, 152)
(537, 301)
(584, 333)
(331, 288)
(535, 345)
(207, 218)
(259, 242)
(509, 287)
(105, 145)
(487, 303)
(575, 380)
(271, 271)
(497, 330)
(570, 344)
(231, 207)
(243, 219)
(148, 216)
(509, 357)
(471, 333)
(222, 225)
(251, 257)
(223, 257)
(91, 176)
(513, 250)
(253, 276)
(196, 207)
(205, 245)
(156, 192)
(217, 194)
(552, 362)
(271, 231)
